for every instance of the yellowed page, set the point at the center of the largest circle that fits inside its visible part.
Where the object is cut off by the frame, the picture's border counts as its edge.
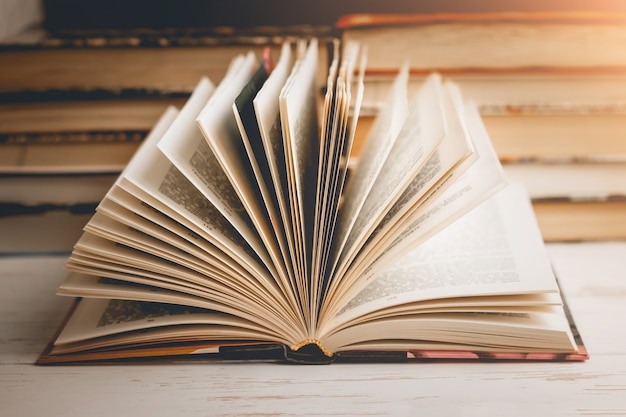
(495, 250)
(424, 129)
(298, 111)
(102, 317)
(151, 177)
(376, 149)
(266, 106)
(186, 149)
(481, 180)
(453, 155)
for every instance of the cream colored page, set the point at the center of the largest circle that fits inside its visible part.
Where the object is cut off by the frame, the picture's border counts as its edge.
(475, 185)
(452, 157)
(178, 200)
(89, 286)
(298, 100)
(266, 106)
(546, 330)
(101, 257)
(495, 249)
(478, 183)
(329, 127)
(128, 209)
(423, 130)
(453, 154)
(183, 274)
(102, 317)
(150, 223)
(145, 220)
(355, 107)
(150, 172)
(179, 252)
(328, 135)
(376, 148)
(83, 284)
(106, 258)
(185, 148)
(346, 112)
(219, 127)
(116, 193)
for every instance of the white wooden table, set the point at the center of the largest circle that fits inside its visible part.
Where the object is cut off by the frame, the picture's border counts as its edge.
(593, 277)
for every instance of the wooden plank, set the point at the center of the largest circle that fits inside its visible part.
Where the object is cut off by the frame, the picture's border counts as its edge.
(591, 276)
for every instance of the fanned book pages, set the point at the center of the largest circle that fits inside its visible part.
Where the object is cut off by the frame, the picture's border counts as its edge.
(238, 231)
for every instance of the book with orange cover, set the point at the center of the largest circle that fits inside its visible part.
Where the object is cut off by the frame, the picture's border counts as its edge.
(503, 42)
(500, 58)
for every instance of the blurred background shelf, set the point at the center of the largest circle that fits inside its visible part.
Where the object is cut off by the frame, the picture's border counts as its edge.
(82, 83)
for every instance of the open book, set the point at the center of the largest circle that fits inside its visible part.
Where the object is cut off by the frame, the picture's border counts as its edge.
(239, 230)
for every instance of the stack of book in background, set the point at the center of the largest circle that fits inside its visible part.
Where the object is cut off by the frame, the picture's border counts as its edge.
(551, 88)
(75, 105)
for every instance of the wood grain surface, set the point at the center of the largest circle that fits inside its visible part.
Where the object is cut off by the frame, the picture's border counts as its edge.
(592, 276)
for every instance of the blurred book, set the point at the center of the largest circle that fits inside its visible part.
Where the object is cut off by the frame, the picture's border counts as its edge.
(559, 134)
(46, 212)
(570, 181)
(489, 42)
(575, 201)
(75, 135)
(499, 92)
(500, 58)
(133, 62)
(581, 220)
(76, 105)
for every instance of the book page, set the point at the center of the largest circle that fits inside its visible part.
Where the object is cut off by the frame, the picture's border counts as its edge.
(375, 151)
(334, 147)
(218, 124)
(140, 263)
(453, 154)
(151, 177)
(244, 265)
(266, 107)
(424, 129)
(479, 182)
(298, 111)
(159, 280)
(245, 117)
(545, 330)
(97, 318)
(185, 148)
(146, 254)
(134, 253)
(162, 186)
(353, 111)
(329, 125)
(127, 209)
(451, 158)
(496, 249)
(185, 255)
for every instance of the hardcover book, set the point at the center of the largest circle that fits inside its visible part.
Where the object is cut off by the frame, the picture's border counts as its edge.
(500, 59)
(237, 232)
